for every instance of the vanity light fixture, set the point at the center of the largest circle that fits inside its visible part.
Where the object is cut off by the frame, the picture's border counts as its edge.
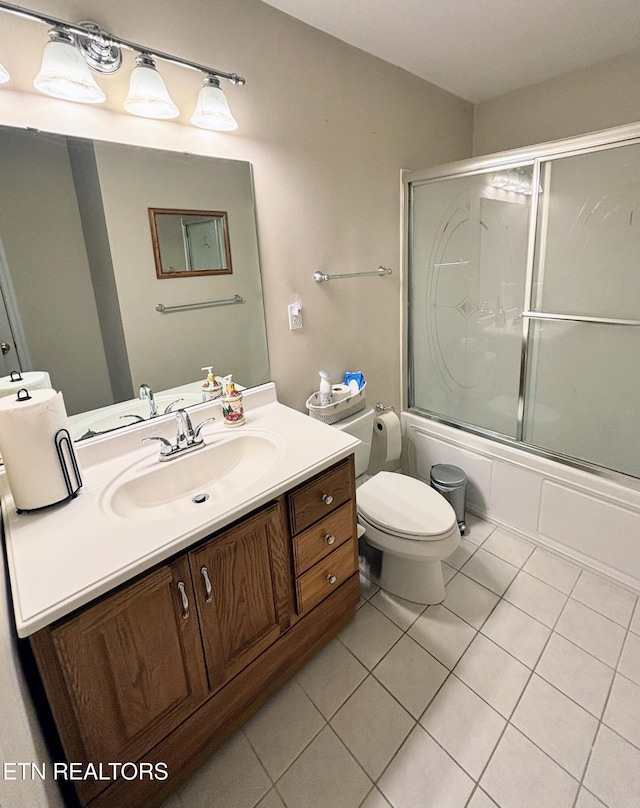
(64, 73)
(148, 95)
(74, 49)
(212, 110)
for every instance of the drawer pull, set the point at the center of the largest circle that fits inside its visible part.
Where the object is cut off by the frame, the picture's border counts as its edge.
(331, 578)
(329, 538)
(207, 584)
(327, 499)
(185, 600)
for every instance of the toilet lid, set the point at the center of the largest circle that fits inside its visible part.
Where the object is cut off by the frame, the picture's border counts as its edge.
(400, 504)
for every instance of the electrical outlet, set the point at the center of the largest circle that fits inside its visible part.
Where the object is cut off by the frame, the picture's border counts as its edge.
(295, 316)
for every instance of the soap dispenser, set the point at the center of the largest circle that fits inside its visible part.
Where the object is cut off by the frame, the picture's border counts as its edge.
(232, 409)
(325, 396)
(211, 387)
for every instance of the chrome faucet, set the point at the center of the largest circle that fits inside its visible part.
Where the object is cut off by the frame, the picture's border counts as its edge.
(187, 438)
(147, 393)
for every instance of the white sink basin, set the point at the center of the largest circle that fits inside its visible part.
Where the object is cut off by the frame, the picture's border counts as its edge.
(198, 480)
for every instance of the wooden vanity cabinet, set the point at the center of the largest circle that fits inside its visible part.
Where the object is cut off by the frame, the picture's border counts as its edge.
(168, 666)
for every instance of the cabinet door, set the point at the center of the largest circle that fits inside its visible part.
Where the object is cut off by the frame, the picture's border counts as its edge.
(243, 590)
(125, 672)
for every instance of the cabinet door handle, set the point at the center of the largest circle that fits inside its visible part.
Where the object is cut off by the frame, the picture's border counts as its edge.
(331, 578)
(327, 499)
(329, 538)
(185, 600)
(207, 584)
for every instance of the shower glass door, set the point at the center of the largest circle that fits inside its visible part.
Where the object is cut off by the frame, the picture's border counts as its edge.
(468, 251)
(583, 376)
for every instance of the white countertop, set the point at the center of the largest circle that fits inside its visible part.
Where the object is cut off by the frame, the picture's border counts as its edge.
(62, 558)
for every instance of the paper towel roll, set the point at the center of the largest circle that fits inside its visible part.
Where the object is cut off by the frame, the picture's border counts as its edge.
(27, 444)
(387, 427)
(31, 379)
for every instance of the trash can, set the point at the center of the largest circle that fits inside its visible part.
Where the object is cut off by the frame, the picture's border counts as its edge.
(451, 482)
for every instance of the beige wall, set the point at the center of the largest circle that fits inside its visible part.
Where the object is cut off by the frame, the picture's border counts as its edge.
(597, 97)
(327, 129)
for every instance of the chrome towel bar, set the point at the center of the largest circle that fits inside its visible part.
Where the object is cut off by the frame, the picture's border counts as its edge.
(183, 306)
(320, 277)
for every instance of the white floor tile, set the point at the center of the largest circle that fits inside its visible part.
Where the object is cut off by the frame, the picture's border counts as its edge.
(402, 612)
(576, 673)
(598, 635)
(478, 529)
(331, 677)
(480, 800)
(490, 571)
(613, 774)
(516, 632)
(435, 780)
(444, 635)
(552, 569)
(463, 553)
(536, 598)
(372, 725)
(469, 600)
(587, 800)
(629, 664)
(610, 600)
(463, 724)
(325, 774)
(411, 674)
(493, 674)
(271, 800)
(375, 800)
(369, 635)
(635, 620)
(509, 547)
(519, 775)
(448, 572)
(217, 784)
(555, 723)
(276, 739)
(622, 713)
(367, 588)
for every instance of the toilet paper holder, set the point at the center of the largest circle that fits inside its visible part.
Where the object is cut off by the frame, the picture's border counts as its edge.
(380, 407)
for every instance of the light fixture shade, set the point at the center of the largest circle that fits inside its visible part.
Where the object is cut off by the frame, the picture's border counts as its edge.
(212, 110)
(64, 73)
(148, 95)
(4, 75)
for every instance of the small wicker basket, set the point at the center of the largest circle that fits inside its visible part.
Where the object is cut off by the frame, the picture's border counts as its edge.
(337, 410)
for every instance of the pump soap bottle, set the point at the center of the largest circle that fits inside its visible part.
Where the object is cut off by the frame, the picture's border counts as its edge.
(211, 387)
(232, 409)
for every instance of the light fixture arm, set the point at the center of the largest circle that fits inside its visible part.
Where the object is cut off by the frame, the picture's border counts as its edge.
(89, 31)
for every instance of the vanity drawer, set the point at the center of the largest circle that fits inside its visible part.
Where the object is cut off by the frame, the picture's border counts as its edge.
(322, 495)
(325, 576)
(322, 538)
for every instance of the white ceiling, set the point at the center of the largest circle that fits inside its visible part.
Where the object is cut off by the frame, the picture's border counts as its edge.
(479, 49)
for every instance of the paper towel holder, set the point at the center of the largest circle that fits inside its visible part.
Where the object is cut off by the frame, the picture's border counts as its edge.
(68, 465)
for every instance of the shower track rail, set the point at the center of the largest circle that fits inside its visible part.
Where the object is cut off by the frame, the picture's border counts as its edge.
(578, 318)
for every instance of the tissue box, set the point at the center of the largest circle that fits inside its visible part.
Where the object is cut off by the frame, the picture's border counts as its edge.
(345, 405)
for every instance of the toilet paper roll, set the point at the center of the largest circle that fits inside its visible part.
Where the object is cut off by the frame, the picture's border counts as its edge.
(31, 379)
(27, 444)
(387, 427)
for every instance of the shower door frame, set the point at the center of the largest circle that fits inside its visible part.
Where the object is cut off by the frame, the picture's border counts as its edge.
(533, 156)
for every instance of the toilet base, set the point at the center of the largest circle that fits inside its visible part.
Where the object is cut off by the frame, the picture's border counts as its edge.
(420, 581)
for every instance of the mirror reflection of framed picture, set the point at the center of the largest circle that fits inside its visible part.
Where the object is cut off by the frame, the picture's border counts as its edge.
(189, 243)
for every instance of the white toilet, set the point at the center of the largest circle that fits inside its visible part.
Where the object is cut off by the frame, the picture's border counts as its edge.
(412, 524)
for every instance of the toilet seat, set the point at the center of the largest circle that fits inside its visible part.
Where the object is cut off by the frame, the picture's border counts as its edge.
(406, 508)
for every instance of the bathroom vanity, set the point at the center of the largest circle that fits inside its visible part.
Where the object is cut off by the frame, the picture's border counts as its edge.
(168, 624)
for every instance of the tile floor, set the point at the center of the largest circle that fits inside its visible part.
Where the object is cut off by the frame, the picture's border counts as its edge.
(521, 690)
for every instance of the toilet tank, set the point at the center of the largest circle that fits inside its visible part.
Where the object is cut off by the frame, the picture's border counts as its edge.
(360, 426)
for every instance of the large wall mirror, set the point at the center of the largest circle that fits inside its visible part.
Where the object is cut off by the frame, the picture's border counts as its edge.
(79, 279)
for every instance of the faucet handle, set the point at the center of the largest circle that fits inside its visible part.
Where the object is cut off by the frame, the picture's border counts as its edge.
(198, 429)
(170, 407)
(166, 447)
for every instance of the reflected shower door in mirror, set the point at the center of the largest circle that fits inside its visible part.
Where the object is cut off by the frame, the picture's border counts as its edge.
(76, 258)
(467, 278)
(190, 243)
